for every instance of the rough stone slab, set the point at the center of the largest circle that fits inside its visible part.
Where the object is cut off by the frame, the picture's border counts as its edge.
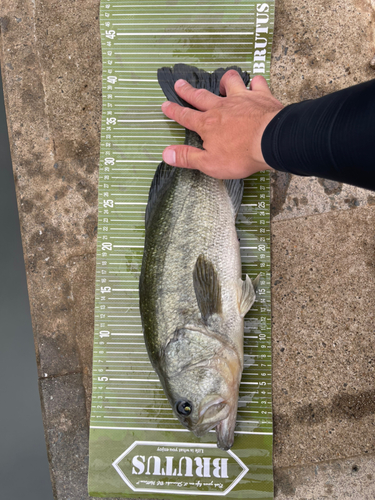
(56, 187)
(68, 42)
(337, 480)
(323, 277)
(319, 47)
(295, 196)
(59, 217)
(66, 430)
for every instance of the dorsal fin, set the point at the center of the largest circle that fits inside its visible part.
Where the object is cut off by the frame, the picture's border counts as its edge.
(235, 191)
(198, 78)
(163, 176)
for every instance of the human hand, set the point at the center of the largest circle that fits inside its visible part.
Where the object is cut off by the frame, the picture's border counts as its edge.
(231, 127)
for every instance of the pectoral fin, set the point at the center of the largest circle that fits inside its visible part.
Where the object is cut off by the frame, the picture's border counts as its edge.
(207, 288)
(247, 294)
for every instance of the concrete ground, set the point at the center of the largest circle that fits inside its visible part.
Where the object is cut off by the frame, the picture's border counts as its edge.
(323, 243)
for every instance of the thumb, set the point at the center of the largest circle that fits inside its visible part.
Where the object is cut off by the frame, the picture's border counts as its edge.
(184, 156)
(259, 83)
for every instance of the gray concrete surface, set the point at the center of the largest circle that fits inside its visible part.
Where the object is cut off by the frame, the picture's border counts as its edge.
(323, 242)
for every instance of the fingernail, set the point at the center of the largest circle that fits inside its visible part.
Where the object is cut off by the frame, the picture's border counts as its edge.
(180, 83)
(169, 156)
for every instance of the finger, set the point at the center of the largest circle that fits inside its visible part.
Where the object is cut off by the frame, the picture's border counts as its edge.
(231, 83)
(259, 83)
(184, 156)
(201, 99)
(188, 118)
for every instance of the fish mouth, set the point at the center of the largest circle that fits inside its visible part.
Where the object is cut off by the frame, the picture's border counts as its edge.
(215, 412)
(208, 404)
(212, 410)
(222, 417)
(225, 431)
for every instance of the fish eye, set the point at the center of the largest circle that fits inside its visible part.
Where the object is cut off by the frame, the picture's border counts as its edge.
(184, 408)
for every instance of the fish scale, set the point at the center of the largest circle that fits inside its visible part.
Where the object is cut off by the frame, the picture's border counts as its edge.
(183, 252)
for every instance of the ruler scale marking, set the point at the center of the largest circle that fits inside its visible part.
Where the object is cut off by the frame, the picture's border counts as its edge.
(136, 40)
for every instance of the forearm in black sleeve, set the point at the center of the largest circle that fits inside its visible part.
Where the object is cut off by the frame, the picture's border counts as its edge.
(331, 137)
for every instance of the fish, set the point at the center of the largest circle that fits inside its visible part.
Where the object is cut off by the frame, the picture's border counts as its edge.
(192, 297)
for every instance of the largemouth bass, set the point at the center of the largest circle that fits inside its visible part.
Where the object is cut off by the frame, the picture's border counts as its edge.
(192, 297)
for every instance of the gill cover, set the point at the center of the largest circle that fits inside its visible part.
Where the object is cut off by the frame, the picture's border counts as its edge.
(188, 348)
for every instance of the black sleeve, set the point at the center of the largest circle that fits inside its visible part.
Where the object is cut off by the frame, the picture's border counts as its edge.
(331, 137)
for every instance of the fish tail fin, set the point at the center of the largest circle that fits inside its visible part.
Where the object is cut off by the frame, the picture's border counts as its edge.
(198, 78)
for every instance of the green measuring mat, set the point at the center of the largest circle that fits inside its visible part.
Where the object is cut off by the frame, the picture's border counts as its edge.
(138, 448)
